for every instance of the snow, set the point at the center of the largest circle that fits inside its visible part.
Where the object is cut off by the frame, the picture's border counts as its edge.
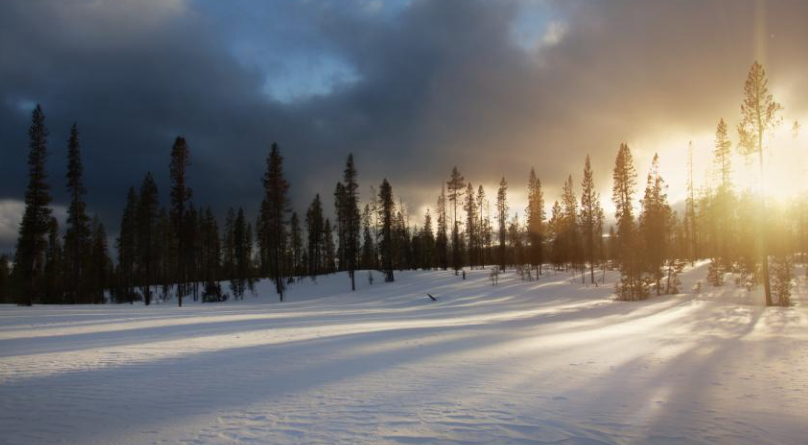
(549, 361)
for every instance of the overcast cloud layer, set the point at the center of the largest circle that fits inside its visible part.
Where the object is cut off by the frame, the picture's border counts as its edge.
(411, 88)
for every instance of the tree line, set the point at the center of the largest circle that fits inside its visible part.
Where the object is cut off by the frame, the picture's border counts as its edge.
(176, 250)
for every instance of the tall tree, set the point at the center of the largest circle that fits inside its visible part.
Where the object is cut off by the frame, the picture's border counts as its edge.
(314, 226)
(723, 201)
(77, 236)
(655, 225)
(442, 240)
(276, 189)
(147, 237)
(570, 232)
(296, 246)
(29, 258)
(759, 115)
(502, 219)
(329, 250)
(180, 195)
(690, 219)
(631, 286)
(535, 222)
(470, 206)
(456, 184)
(52, 276)
(127, 248)
(99, 262)
(350, 221)
(368, 244)
(591, 221)
(386, 215)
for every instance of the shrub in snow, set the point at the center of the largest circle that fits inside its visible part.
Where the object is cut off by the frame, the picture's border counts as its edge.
(782, 272)
(715, 275)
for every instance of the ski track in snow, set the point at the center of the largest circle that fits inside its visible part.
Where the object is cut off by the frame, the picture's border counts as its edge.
(543, 362)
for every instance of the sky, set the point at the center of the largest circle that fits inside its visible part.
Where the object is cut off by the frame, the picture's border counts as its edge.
(410, 87)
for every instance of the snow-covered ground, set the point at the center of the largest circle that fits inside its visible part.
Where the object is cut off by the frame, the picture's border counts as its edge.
(550, 361)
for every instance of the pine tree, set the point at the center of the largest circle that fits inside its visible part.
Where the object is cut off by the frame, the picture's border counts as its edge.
(368, 244)
(228, 246)
(276, 189)
(296, 246)
(147, 237)
(127, 248)
(77, 236)
(455, 185)
(180, 195)
(427, 239)
(654, 225)
(570, 232)
(241, 256)
(723, 201)
(483, 227)
(759, 115)
(470, 206)
(631, 286)
(386, 215)
(350, 222)
(502, 218)
(315, 230)
(29, 258)
(99, 262)
(329, 250)
(591, 218)
(690, 209)
(52, 276)
(559, 251)
(442, 240)
(535, 222)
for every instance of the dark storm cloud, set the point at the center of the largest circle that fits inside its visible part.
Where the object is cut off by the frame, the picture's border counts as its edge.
(435, 83)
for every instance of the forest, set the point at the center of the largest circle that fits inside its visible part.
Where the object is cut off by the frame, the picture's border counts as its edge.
(172, 246)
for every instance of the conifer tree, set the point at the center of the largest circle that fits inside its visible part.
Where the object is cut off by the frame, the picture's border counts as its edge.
(29, 258)
(99, 262)
(127, 248)
(228, 245)
(368, 244)
(241, 256)
(441, 239)
(386, 243)
(535, 222)
(349, 220)
(631, 286)
(147, 236)
(275, 231)
(315, 230)
(591, 218)
(52, 274)
(329, 250)
(180, 195)
(759, 115)
(723, 201)
(296, 246)
(570, 231)
(470, 206)
(455, 185)
(502, 218)
(427, 239)
(654, 225)
(690, 221)
(77, 236)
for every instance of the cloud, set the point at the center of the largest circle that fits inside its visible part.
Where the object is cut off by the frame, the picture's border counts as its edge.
(411, 88)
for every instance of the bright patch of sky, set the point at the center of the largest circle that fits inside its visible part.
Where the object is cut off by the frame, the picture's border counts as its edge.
(537, 25)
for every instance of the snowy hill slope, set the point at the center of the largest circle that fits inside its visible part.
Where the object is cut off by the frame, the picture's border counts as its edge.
(549, 361)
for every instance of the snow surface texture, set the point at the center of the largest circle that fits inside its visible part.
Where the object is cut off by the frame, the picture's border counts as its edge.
(549, 361)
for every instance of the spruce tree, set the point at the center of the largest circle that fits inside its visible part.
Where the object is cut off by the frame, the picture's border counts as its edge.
(275, 230)
(329, 249)
(147, 236)
(591, 219)
(442, 240)
(690, 221)
(296, 246)
(570, 231)
(350, 221)
(99, 262)
(535, 222)
(77, 236)
(470, 206)
(52, 276)
(29, 258)
(502, 218)
(631, 286)
(241, 256)
(386, 215)
(654, 225)
(427, 240)
(759, 116)
(368, 244)
(455, 185)
(127, 248)
(180, 195)
(315, 230)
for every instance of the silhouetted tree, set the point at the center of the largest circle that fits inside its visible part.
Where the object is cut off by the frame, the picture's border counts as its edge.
(386, 215)
(180, 195)
(274, 228)
(77, 236)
